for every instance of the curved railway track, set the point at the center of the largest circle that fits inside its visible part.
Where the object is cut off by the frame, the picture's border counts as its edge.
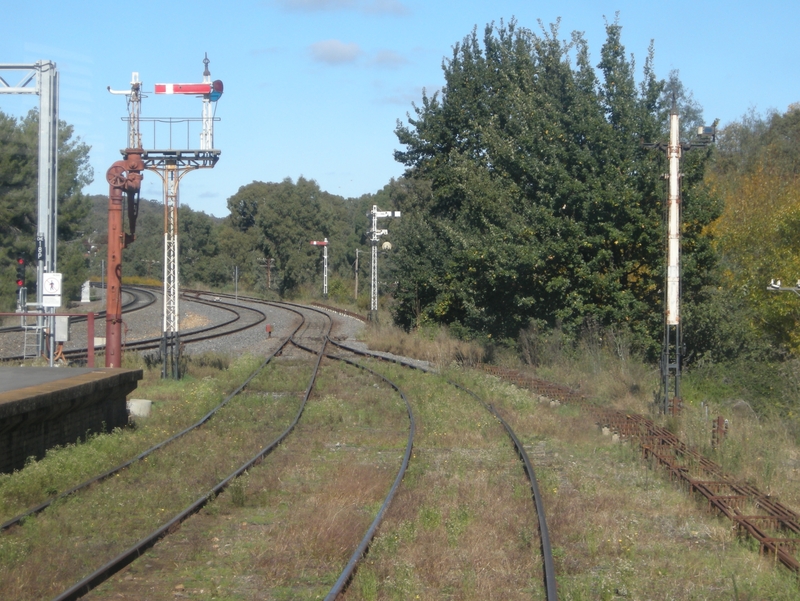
(548, 576)
(240, 318)
(308, 338)
(137, 299)
(130, 554)
(774, 526)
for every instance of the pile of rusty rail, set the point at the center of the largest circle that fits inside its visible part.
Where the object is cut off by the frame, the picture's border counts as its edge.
(339, 311)
(775, 526)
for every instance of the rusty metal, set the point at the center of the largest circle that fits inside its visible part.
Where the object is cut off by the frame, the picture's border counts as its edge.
(675, 406)
(775, 526)
(123, 176)
(719, 430)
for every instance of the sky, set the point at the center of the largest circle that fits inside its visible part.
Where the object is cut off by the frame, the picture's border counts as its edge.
(314, 88)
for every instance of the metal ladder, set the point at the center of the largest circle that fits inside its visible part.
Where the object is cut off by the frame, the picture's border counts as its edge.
(31, 342)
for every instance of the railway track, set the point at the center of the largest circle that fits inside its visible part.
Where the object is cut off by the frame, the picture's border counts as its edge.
(548, 567)
(772, 525)
(134, 299)
(305, 338)
(313, 333)
(172, 445)
(239, 318)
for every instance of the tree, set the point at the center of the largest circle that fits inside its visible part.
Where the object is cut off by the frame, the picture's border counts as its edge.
(543, 204)
(18, 193)
(757, 172)
(284, 217)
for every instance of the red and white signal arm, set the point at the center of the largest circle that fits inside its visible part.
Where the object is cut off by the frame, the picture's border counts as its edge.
(212, 89)
(319, 243)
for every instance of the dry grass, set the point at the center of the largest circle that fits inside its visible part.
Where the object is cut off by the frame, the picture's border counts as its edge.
(434, 345)
(287, 528)
(462, 526)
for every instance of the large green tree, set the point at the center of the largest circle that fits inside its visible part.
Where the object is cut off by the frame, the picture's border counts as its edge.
(757, 172)
(542, 203)
(18, 194)
(280, 219)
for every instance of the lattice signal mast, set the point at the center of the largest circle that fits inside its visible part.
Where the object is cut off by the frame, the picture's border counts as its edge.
(374, 239)
(171, 167)
(171, 164)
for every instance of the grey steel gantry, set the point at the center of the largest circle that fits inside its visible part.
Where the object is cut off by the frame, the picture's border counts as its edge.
(41, 78)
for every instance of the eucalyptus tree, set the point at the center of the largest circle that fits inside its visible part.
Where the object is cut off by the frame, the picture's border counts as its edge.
(18, 190)
(542, 204)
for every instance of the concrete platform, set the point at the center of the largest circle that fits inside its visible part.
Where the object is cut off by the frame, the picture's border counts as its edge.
(42, 407)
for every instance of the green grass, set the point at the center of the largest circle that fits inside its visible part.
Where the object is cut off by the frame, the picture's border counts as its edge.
(462, 525)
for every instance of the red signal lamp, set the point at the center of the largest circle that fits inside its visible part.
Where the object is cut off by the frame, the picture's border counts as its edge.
(20, 272)
(216, 90)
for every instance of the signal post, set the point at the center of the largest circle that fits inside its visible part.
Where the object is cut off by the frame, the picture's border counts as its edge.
(172, 165)
(375, 235)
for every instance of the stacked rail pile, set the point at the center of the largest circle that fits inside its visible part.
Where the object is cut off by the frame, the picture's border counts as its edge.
(775, 526)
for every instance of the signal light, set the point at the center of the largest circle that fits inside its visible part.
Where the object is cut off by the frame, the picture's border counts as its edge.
(20, 272)
(216, 90)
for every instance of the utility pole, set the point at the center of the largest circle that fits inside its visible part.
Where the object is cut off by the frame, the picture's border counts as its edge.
(374, 239)
(670, 397)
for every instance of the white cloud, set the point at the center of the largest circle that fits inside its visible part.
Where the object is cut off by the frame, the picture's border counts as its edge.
(335, 52)
(374, 7)
(389, 59)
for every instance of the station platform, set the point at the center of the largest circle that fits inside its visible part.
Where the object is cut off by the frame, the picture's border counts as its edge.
(43, 407)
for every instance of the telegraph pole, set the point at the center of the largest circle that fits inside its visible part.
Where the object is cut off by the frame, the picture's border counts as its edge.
(374, 239)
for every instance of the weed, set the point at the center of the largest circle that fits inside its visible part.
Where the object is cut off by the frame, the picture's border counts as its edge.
(238, 493)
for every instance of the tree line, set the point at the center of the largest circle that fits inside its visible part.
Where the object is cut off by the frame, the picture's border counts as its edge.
(529, 201)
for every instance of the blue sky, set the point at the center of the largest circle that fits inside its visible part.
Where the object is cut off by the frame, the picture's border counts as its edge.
(315, 87)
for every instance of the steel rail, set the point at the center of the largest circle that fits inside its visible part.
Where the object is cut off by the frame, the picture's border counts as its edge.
(191, 336)
(127, 307)
(544, 536)
(129, 555)
(348, 571)
(114, 470)
(722, 491)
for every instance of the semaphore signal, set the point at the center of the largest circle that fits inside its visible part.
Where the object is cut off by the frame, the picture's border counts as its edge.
(171, 164)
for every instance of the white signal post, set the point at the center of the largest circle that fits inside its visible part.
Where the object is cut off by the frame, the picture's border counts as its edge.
(673, 334)
(171, 165)
(671, 360)
(374, 239)
(324, 245)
